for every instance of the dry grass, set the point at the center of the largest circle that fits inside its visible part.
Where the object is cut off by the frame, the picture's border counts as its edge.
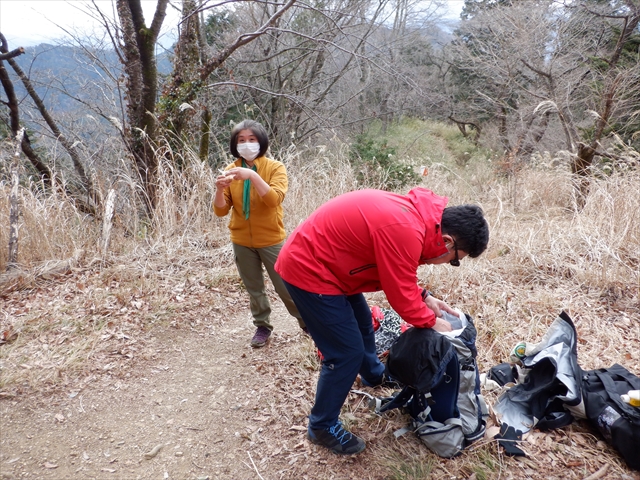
(50, 229)
(546, 256)
(71, 311)
(315, 176)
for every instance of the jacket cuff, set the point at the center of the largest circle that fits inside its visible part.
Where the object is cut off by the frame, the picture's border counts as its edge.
(271, 198)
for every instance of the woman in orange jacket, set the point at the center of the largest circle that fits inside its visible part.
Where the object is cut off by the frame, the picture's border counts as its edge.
(253, 189)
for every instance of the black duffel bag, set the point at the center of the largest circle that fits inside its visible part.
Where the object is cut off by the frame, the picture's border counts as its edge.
(616, 420)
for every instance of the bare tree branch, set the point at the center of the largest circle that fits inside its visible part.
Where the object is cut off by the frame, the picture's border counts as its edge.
(68, 146)
(14, 118)
(215, 62)
(12, 53)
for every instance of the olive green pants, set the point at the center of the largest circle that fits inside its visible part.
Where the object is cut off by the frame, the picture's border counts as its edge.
(249, 262)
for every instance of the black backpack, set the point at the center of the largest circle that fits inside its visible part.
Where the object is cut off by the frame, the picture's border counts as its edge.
(617, 421)
(441, 387)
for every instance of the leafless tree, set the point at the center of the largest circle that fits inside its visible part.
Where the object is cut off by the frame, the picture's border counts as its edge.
(135, 42)
(302, 68)
(531, 64)
(14, 112)
(136, 45)
(327, 66)
(488, 80)
(619, 81)
(85, 179)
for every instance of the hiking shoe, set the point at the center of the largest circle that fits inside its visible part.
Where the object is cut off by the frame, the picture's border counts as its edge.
(260, 337)
(337, 439)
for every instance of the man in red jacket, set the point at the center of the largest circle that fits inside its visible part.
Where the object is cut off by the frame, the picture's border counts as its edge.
(366, 241)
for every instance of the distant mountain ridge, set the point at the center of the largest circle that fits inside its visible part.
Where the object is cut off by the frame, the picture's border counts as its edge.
(56, 68)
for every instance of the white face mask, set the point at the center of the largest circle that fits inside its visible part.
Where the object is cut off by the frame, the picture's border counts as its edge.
(249, 150)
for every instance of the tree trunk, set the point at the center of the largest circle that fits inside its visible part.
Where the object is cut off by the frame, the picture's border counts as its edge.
(462, 126)
(503, 134)
(14, 212)
(205, 135)
(142, 87)
(187, 60)
(580, 166)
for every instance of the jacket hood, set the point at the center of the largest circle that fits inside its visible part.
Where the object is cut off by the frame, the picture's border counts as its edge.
(430, 207)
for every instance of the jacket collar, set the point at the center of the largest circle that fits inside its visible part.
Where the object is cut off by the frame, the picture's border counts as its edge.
(258, 161)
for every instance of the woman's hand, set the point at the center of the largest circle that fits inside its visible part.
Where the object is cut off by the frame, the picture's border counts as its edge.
(438, 305)
(223, 181)
(240, 173)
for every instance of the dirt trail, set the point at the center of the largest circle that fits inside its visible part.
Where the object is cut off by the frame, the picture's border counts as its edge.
(208, 399)
(197, 402)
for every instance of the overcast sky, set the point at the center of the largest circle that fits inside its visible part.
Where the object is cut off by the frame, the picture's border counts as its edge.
(30, 22)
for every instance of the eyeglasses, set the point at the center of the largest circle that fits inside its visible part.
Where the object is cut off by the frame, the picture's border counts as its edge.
(456, 261)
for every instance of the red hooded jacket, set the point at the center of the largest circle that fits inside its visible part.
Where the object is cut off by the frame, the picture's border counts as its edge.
(365, 241)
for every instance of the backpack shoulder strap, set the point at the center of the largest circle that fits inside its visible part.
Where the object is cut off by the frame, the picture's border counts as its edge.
(622, 372)
(612, 392)
(398, 401)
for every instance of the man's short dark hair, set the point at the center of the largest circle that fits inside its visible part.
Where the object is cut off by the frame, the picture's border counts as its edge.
(258, 130)
(467, 225)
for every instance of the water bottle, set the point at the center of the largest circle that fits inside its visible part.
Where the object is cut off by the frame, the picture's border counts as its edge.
(520, 350)
(632, 398)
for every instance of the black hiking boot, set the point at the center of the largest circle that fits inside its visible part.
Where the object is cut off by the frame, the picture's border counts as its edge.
(337, 439)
